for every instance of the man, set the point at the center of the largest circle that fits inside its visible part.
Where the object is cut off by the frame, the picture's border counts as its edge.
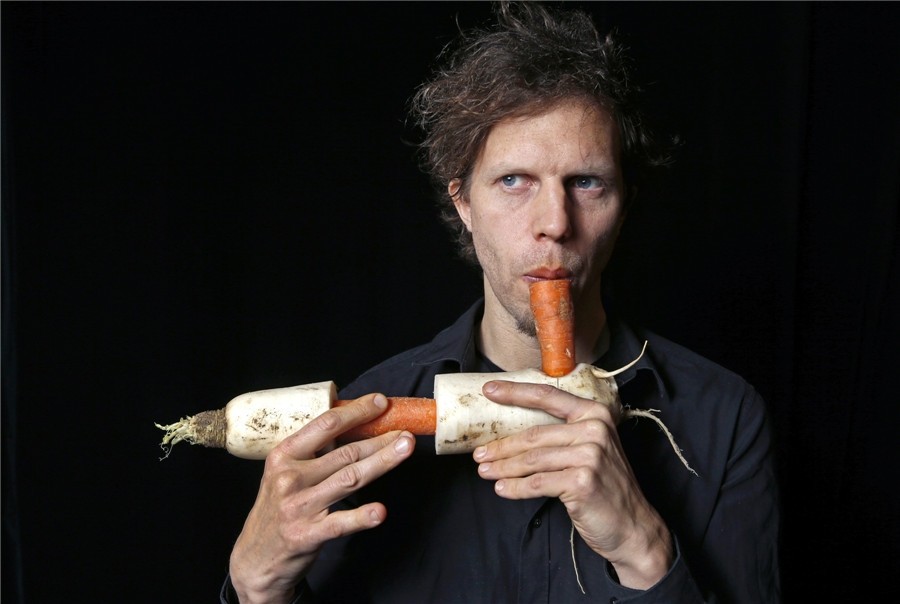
(532, 132)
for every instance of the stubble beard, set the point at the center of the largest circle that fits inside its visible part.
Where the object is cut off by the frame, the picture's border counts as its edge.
(526, 326)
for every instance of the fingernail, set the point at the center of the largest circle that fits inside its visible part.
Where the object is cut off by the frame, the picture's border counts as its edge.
(479, 452)
(380, 401)
(490, 387)
(402, 445)
(483, 468)
(498, 486)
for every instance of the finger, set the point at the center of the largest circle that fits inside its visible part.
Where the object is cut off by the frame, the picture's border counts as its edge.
(529, 441)
(322, 430)
(336, 459)
(342, 523)
(305, 537)
(546, 397)
(570, 485)
(355, 475)
(544, 484)
(545, 459)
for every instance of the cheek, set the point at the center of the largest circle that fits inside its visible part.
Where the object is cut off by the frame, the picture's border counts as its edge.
(484, 227)
(606, 232)
(494, 243)
(608, 224)
(485, 245)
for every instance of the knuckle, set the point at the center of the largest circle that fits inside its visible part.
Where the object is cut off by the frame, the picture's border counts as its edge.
(596, 429)
(496, 447)
(349, 477)
(589, 457)
(605, 413)
(300, 538)
(544, 390)
(592, 454)
(532, 434)
(583, 478)
(327, 421)
(531, 457)
(283, 483)
(291, 508)
(535, 481)
(277, 459)
(348, 454)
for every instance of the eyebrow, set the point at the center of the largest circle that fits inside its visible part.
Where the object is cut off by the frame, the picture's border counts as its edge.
(605, 170)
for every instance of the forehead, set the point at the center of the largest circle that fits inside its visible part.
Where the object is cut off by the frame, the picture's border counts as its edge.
(569, 133)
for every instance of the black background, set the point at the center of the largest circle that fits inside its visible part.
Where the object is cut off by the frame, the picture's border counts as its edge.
(205, 199)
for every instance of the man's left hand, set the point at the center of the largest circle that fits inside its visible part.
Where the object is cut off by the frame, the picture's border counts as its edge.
(583, 464)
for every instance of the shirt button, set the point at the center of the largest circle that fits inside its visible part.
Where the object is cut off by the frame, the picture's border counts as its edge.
(536, 523)
(613, 600)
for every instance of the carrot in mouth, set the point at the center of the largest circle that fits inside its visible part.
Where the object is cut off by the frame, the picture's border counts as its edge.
(554, 320)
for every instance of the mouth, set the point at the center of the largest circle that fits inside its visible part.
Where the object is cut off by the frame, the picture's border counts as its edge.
(547, 273)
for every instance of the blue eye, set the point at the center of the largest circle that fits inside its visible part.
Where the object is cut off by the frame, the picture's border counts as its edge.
(509, 180)
(586, 182)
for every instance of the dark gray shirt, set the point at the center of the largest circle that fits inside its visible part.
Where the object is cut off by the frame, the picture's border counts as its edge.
(450, 538)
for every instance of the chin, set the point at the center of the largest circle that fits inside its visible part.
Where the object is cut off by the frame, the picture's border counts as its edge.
(527, 327)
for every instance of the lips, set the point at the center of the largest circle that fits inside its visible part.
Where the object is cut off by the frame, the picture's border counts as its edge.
(545, 273)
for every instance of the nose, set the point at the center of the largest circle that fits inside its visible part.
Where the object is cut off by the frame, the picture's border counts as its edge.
(550, 218)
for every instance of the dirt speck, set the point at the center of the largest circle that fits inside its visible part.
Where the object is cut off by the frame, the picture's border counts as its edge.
(470, 435)
(466, 399)
(259, 421)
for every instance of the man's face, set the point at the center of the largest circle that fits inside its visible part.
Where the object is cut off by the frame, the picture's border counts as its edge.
(545, 202)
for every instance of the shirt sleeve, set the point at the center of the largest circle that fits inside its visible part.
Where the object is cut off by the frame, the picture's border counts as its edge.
(677, 585)
(733, 556)
(741, 542)
(229, 596)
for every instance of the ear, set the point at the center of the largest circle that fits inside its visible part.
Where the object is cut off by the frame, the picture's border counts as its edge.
(454, 190)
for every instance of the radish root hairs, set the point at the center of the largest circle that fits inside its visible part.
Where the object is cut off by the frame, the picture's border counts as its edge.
(628, 412)
(574, 561)
(206, 428)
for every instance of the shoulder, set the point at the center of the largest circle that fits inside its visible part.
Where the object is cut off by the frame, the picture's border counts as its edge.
(689, 387)
(719, 420)
(712, 397)
(682, 370)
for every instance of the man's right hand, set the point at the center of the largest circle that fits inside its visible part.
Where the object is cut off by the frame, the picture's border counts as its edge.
(290, 520)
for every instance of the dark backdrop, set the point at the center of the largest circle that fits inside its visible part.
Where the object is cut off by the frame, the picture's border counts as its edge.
(201, 200)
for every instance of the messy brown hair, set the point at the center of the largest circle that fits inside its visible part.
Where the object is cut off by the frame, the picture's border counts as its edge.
(529, 60)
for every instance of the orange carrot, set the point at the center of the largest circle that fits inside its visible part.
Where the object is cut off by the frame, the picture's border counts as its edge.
(416, 415)
(554, 319)
(252, 423)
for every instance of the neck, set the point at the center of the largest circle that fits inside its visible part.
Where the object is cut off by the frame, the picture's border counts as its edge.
(499, 338)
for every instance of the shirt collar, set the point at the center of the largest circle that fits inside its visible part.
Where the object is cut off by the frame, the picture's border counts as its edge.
(625, 347)
(456, 343)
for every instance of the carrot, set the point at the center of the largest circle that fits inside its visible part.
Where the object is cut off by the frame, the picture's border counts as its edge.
(416, 415)
(554, 320)
(459, 416)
